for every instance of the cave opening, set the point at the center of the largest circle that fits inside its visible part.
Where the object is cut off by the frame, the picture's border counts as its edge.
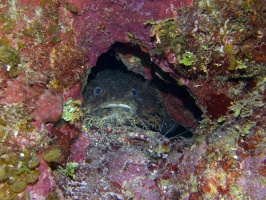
(113, 61)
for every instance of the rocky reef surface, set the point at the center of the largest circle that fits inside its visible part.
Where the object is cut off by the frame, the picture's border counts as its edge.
(211, 51)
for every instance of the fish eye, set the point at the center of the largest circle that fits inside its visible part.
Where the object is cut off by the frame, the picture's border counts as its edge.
(97, 90)
(134, 92)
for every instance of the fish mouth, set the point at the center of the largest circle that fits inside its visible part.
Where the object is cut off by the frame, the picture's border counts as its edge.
(106, 108)
(112, 113)
(119, 105)
(119, 114)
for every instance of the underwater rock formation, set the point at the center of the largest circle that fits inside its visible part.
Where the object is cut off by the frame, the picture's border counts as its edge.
(215, 50)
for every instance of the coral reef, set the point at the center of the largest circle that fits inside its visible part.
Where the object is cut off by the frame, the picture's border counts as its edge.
(214, 50)
(19, 153)
(33, 74)
(124, 170)
(71, 111)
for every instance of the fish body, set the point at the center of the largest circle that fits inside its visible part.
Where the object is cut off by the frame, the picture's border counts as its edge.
(120, 99)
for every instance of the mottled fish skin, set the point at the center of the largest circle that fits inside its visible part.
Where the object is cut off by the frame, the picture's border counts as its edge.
(118, 98)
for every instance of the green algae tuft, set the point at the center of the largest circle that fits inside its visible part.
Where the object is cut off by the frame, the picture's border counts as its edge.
(52, 155)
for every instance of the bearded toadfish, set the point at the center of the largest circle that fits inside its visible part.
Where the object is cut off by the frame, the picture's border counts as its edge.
(120, 99)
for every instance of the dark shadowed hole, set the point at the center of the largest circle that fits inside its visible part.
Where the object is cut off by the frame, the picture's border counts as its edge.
(110, 60)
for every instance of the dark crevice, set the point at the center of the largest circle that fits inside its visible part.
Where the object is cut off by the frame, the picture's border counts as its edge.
(110, 60)
(180, 93)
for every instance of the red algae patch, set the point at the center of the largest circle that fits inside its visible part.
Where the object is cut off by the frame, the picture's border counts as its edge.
(49, 107)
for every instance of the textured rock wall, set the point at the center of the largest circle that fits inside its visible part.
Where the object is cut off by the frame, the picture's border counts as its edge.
(214, 49)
